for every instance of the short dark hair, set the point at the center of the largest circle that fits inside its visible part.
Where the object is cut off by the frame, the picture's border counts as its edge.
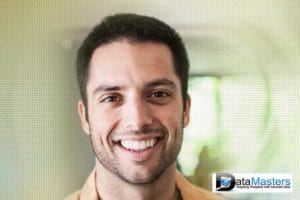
(134, 28)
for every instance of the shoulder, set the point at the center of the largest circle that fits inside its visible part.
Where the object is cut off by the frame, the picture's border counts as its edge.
(88, 191)
(190, 191)
(74, 196)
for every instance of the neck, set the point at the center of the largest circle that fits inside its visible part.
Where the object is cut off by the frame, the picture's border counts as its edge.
(110, 186)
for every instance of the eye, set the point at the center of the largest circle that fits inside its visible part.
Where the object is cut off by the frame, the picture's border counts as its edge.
(110, 99)
(160, 97)
(159, 94)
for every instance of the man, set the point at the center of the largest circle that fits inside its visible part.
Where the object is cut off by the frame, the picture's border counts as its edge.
(132, 72)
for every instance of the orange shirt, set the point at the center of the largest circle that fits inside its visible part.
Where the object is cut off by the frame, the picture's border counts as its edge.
(187, 190)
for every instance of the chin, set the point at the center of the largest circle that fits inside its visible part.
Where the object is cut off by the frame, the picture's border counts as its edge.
(140, 180)
(142, 176)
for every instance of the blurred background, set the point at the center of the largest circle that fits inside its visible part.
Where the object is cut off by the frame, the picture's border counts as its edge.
(244, 83)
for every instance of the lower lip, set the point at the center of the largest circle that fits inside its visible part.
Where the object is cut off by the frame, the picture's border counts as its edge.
(143, 155)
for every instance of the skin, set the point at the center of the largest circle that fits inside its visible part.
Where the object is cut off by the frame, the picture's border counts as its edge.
(134, 94)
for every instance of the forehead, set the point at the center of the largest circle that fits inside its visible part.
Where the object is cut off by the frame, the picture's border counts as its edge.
(125, 62)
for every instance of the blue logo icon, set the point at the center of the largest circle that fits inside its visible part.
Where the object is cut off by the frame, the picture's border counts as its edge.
(224, 182)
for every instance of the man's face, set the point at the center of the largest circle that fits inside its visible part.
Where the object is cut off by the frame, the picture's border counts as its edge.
(135, 109)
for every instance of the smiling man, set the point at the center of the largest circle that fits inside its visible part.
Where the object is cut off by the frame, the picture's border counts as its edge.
(132, 72)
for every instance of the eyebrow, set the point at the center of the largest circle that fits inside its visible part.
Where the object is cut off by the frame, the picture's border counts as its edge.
(150, 84)
(159, 82)
(104, 88)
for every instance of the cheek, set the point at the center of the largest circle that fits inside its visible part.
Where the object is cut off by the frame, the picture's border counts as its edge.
(172, 119)
(102, 124)
(173, 116)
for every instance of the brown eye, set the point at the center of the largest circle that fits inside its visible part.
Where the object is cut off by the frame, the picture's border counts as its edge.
(110, 99)
(159, 95)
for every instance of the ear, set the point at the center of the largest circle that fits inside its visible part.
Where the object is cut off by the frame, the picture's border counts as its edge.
(186, 112)
(84, 123)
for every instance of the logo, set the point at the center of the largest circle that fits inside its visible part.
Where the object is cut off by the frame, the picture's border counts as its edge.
(252, 182)
(224, 182)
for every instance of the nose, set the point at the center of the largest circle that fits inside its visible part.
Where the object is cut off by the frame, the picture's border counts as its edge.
(136, 114)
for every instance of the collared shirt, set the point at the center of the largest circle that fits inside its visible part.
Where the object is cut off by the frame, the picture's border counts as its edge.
(186, 190)
(177, 195)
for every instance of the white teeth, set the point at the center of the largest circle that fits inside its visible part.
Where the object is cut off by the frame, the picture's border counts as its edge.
(138, 145)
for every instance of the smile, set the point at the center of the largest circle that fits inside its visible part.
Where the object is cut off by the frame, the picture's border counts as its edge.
(138, 145)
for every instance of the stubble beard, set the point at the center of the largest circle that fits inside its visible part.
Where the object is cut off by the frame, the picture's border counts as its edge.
(126, 173)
